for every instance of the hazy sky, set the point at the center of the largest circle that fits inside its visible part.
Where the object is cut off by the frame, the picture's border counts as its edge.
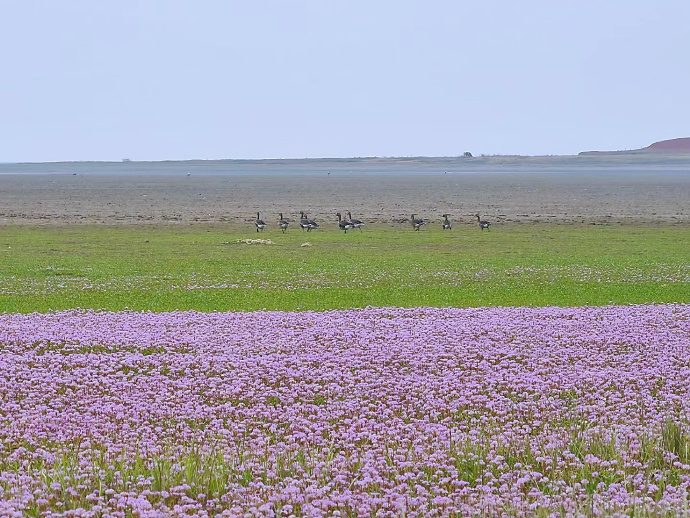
(173, 79)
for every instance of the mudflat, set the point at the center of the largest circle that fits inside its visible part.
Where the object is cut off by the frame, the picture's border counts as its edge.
(652, 189)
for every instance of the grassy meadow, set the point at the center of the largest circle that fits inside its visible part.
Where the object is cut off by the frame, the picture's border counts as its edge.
(209, 268)
(524, 410)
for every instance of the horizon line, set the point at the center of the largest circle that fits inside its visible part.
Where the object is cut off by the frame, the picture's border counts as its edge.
(372, 157)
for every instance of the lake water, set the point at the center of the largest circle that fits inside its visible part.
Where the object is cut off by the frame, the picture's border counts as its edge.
(628, 164)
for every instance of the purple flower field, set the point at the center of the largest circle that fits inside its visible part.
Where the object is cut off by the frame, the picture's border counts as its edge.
(373, 412)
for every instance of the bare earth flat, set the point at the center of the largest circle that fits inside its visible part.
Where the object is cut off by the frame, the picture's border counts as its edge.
(507, 190)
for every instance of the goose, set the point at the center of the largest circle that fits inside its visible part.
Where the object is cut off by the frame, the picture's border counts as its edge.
(483, 224)
(307, 223)
(260, 223)
(416, 223)
(303, 221)
(446, 222)
(355, 222)
(312, 224)
(282, 223)
(344, 225)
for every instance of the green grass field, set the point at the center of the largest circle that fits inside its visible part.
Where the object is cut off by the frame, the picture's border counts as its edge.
(204, 268)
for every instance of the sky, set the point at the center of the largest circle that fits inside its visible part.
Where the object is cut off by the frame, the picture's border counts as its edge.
(212, 79)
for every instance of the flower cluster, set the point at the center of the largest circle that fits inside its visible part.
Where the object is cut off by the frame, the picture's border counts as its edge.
(371, 412)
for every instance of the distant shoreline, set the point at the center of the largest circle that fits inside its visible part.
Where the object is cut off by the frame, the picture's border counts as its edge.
(639, 155)
(606, 189)
(636, 152)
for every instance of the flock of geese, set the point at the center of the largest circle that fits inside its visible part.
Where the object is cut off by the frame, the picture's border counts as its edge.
(348, 224)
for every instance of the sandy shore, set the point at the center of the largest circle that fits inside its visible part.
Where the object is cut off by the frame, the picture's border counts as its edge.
(379, 193)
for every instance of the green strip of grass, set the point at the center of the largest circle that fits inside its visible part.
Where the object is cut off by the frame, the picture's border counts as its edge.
(194, 267)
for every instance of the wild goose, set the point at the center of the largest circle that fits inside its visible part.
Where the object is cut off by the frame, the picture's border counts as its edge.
(483, 224)
(282, 223)
(260, 223)
(343, 225)
(355, 222)
(303, 221)
(312, 224)
(307, 223)
(416, 223)
(446, 222)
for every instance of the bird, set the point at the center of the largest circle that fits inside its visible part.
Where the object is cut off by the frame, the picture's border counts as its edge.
(260, 223)
(303, 221)
(416, 223)
(344, 224)
(282, 223)
(446, 222)
(312, 224)
(483, 224)
(355, 222)
(307, 223)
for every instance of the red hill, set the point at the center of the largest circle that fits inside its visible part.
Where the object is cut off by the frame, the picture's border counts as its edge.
(673, 146)
(676, 145)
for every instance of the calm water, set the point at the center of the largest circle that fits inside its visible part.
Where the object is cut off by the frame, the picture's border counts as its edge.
(627, 164)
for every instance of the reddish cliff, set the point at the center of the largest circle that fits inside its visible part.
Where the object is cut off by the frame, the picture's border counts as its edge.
(676, 145)
(672, 146)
